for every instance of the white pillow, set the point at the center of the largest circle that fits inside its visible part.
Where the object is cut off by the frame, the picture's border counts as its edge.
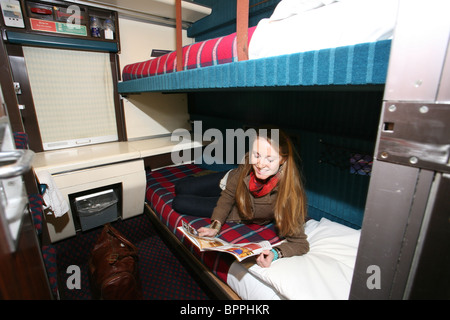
(325, 272)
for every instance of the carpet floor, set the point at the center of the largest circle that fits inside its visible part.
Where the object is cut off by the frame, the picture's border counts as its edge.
(162, 275)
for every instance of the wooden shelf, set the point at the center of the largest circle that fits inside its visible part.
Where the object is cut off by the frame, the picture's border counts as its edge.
(46, 24)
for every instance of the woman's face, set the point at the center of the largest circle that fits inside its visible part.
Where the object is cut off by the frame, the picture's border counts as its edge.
(265, 159)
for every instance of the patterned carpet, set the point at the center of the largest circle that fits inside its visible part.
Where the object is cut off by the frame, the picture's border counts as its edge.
(162, 275)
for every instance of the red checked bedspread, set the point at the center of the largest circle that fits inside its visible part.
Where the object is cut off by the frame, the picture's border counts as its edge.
(159, 195)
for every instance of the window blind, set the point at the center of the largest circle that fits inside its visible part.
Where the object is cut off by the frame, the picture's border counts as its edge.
(73, 96)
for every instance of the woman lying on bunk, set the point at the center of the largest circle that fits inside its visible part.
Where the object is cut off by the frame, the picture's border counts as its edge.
(265, 188)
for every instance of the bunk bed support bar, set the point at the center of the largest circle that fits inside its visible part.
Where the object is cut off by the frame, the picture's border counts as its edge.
(242, 12)
(179, 36)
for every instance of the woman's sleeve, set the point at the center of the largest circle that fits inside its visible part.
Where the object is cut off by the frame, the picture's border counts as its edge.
(226, 199)
(295, 245)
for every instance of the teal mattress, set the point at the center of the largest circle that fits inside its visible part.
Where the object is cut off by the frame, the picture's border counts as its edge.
(355, 65)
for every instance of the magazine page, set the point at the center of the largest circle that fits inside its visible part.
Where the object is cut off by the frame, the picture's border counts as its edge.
(240, 251)
(244, 250)
(202, 243)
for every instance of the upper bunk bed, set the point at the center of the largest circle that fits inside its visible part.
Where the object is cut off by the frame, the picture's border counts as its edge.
(303, 44)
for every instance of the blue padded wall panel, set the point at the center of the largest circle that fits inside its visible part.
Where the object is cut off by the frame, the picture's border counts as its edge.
(330, 127)
(333, 192)
(222, 20)
(333, 112)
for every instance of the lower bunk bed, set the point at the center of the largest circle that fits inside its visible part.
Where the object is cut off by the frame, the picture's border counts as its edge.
(325, 272)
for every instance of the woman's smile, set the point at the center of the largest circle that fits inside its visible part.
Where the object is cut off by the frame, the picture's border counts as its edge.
(265, 159)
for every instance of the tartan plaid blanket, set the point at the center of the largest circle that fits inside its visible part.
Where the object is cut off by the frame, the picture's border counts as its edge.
(206, 53)
(159, 195)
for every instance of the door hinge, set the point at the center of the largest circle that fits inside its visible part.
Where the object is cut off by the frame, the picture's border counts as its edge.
(415, 134)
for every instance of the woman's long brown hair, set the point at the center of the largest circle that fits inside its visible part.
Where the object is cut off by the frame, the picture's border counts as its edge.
(290, 206)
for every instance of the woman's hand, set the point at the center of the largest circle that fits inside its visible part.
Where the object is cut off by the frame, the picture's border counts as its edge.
(207, 232)
(265, 259)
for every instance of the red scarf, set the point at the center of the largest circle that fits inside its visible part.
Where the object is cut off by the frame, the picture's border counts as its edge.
(259, 188)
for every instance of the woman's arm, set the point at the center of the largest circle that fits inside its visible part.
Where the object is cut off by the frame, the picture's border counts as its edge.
(295, 245)
(223, 207)
(227, 198)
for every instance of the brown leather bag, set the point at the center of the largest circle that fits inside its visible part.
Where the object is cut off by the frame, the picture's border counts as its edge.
(113, 267)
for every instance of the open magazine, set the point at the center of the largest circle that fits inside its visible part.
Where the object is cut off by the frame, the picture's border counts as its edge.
(240, 251)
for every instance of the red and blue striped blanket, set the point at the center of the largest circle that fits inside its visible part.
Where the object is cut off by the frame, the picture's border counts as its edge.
(197, 55)
(159, 195)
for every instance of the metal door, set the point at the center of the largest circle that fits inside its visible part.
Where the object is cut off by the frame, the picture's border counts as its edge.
(404, 252)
